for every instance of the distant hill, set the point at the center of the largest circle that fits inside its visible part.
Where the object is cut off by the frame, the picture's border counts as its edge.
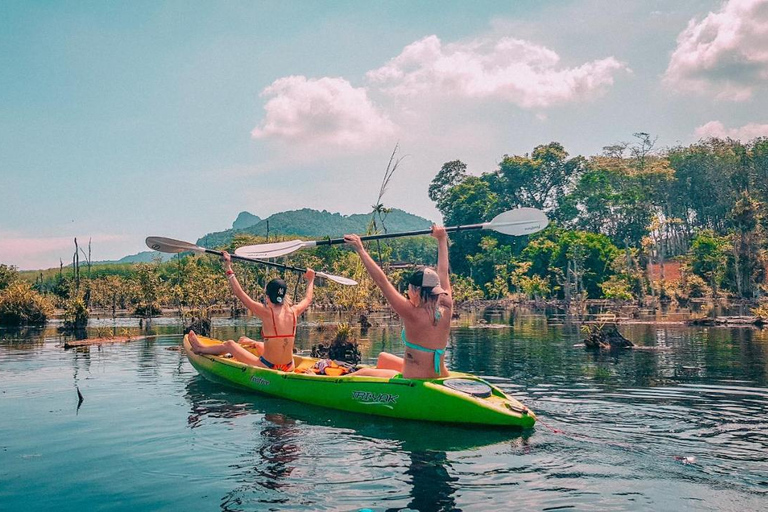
(245, 220)
(142, 257)
(302, 223)
(316, 224)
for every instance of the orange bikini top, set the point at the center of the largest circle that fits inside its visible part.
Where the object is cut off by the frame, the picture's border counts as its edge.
(276, 335)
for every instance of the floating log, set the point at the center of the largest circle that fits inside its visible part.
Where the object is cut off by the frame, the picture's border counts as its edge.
(102, 341)
(757, 321)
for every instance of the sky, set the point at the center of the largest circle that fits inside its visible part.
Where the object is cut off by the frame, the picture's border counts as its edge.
(121, 120)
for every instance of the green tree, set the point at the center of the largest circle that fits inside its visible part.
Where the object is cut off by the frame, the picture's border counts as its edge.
(493, 262)
(587, 257)
(469, 202)
(748, 246)
(710, 176)
(451, 174)
(8, 274)
(759, 160)
(539, 180)
(618, 196)
(709, 256)
(149, 289)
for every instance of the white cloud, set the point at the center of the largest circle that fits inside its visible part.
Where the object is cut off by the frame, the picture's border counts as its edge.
(505, 69)
(322, 112)
(725, 54)
(745, 133)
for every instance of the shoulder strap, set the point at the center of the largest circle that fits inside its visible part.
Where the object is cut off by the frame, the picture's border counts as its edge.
(274, 322)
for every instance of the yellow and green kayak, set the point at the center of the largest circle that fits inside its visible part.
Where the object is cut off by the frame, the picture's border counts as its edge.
(457, 398)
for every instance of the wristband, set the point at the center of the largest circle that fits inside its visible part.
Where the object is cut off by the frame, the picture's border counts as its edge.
(229, 273)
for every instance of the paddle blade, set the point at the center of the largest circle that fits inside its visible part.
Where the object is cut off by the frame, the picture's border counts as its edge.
(169, 245)
(522, 221)
(262, 251)
(337, 279)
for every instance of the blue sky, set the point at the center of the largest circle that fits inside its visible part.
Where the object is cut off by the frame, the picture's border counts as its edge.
(120, 120)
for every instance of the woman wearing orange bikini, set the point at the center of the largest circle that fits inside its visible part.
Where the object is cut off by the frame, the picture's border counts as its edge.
(426, 315)
(278, 327)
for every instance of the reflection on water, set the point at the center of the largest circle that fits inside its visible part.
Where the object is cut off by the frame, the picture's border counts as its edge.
(433, 486)
(683, 425)
(285, 436)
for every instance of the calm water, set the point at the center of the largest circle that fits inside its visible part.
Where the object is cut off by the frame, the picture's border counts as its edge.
(681, 427)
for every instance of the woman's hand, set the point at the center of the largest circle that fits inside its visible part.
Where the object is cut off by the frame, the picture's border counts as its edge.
(439, 233)
(227, 259)
(309, 275)
(354, 241)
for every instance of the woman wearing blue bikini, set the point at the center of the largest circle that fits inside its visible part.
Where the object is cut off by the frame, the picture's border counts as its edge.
(426, 315)
(278, 317)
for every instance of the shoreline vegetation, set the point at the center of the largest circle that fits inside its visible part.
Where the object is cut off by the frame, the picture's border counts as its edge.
(633, 230)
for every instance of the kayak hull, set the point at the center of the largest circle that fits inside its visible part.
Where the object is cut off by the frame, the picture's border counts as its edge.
(413, 399)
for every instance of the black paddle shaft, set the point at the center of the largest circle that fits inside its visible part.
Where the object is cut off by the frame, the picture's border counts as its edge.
(452, 229)
(263, 262)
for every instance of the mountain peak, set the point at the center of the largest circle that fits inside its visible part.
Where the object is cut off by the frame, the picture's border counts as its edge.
(245, 220)
(310, 223)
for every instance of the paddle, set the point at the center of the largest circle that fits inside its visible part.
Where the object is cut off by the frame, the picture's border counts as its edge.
(169, 245)
(522, 221)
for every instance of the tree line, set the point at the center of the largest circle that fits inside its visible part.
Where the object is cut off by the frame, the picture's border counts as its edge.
(613, 215)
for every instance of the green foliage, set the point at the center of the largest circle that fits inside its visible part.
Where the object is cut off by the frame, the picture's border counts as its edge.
(535, 287)
(450, 175)
(615, 199)
(538, 181)
(464, 289)
(616, 288)
(691, 286)
(709, 255)
(150, 288)
(628, 268)
(469, 202)
(75, 313)
(588, 256)
(21, 305)
(761, 311)
(8, 274)
(113, 292)
(198, 285)
(493, 262)
(748, 259)
(709, 177)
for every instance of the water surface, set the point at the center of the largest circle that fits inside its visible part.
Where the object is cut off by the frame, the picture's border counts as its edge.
(684, 426)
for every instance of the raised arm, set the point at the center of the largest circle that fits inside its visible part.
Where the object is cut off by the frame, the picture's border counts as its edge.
(442, 258)
(256, 308)
(307, 300)
(399, 303)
